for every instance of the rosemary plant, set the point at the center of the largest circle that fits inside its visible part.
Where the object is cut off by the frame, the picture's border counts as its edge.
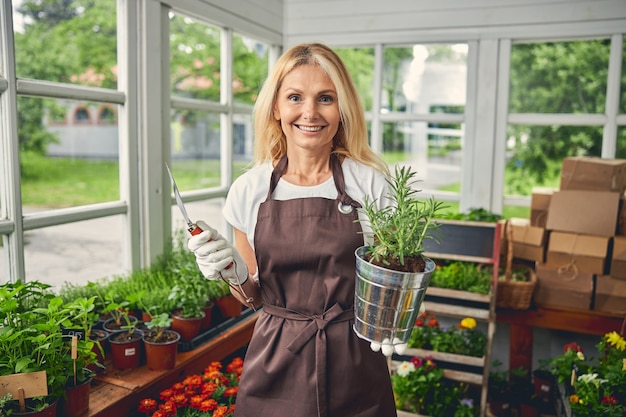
(399, 230)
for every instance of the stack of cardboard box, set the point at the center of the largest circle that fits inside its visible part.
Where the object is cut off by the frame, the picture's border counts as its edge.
(581, 228)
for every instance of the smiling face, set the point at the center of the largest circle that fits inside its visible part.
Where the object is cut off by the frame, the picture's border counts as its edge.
(307, 108)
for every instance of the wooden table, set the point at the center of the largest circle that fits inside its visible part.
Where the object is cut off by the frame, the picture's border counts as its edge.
(117, 393)
(522, 322)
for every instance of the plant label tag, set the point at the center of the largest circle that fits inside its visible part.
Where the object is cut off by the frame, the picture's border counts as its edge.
(34, 384)
(69, 333)
(129, 352)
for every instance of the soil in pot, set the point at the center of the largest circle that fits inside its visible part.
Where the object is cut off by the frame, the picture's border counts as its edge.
(161, 352)
(126, 349)
(112, 327)
(187, 327)
(411, 263)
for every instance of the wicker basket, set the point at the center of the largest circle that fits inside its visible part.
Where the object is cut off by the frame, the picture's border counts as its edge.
(516, 295)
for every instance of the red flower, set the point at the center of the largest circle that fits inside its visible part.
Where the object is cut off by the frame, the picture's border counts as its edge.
(609, 399)
(433, 323)
(147, 406)
(167, 394)
(208, 405)
(235, 366)
(231, 392)
(417, 362)
(169, 408)
(572, 346)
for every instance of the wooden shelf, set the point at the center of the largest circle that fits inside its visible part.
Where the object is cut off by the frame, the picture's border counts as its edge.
(117, 393)
(522, 322)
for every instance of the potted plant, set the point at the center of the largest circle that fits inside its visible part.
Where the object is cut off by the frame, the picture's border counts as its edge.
(31, 340)
(420, 388)
(392, 273)
(498, 390)
(86, 352)
(125, 341)
(160, 342)
(189, 307)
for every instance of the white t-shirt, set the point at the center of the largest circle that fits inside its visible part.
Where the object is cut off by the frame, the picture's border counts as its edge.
(250, 190)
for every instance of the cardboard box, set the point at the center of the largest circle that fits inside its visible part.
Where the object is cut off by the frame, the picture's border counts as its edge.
(584, 254)
(528, 241)
(593, 173)
(618, 259)
(539, 204)
(585, 212)
(610, 295)
(563, 288)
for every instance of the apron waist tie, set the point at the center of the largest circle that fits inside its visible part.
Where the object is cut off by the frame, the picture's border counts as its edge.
(316, 328)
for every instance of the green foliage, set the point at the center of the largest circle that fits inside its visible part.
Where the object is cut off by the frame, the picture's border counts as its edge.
(420, 387)
(463, 276)
(400, 229)
(159, 324)
(32, 319)
(474, 214)
(464, 338)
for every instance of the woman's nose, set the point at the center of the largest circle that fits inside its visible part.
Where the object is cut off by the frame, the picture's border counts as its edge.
(309, 112)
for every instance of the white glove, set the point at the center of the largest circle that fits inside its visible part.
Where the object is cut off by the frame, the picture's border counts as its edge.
(215, 256)
(388, 347)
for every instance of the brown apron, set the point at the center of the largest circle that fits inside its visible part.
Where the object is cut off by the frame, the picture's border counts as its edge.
(304, 359)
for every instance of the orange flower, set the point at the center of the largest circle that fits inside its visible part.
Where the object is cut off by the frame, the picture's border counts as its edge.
(221, 411)
(573, 399)
(147, 405)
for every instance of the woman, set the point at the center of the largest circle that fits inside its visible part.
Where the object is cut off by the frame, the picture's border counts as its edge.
(296, 228)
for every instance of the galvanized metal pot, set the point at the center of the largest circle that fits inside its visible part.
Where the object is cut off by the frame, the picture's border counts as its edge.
(387, 302)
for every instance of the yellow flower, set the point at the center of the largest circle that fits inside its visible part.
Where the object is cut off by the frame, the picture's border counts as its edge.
(468, 323)
(580, 356)
(614, 339)
(573, 398)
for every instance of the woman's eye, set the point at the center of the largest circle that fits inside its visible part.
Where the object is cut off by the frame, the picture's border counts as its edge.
(294, 98)
(326, 99)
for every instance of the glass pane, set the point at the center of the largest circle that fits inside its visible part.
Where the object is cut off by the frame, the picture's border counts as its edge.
(194, 59)
(66, 253)
(4, 277)
(535, 154)
(622, 107)
(68, 152)
(209, 210)
(435, 153)
(425, 78)
(250, 67)
(69, 42)
(360, 64)
(559, 77)
(621, 142)
(195, 149)
(243, 141)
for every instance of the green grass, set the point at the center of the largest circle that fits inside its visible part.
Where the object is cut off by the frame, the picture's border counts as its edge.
(67, 182)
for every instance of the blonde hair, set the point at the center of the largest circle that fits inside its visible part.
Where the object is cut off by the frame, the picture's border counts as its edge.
(351, 138)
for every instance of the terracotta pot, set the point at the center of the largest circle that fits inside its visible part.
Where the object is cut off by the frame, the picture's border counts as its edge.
(126, 349)
(161, 355)
(100, 346)
(75, 400)
(187, 327)
(208, 310)
(229, 306)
